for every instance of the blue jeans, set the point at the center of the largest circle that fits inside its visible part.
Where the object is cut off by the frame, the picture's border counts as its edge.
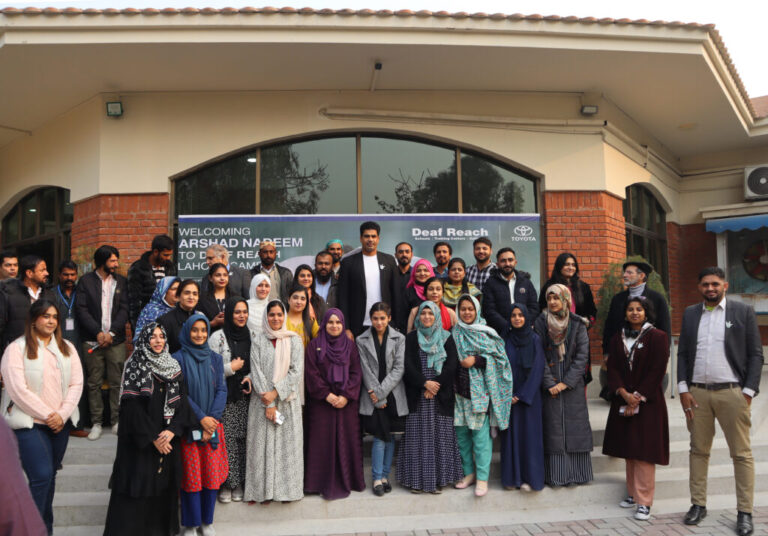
(41, 453)
(197, 507)
(381, 458)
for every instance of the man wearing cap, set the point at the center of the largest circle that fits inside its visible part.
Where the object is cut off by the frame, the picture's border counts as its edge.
(635, 277)
(336, 248)
(280, 278)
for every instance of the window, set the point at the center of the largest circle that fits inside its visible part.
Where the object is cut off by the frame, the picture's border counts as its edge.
(353, 174)
(646, 229)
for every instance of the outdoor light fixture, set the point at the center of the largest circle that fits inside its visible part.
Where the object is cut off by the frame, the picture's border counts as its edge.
(251, 160)
(589, 109)
(114, 109)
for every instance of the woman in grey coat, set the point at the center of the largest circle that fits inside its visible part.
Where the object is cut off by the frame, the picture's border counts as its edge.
(567, 433)
(383, 403)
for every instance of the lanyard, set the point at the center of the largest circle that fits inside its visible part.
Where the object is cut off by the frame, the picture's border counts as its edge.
(68, 304)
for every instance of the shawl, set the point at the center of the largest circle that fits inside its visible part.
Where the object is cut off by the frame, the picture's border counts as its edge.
(256, 307)
(143, 363)
(335, 349)
(631, 343)
(418, 287)
(282, 338)
(156, 306)
(452, 293)
(557, 324)
(239, 342)
(494, 385)
(522, 339)
(197, 358)
(432, 339)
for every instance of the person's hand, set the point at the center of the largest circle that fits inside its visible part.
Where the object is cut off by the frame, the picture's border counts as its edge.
(104, 339)
(468, 362)
(689, 404)
(163, 442)
(629, 411)
(557, 389)
(236, 364)
(747, 398)
(350, 335)
(217, 321)
(428, 395)
(432, 386)
(206, 436)
(515, 400)
(54, 422)
(632, 399)
(341, 402)
(374, 398)
(268, 397)
(209, 424)
(271, 413)
(332, 399)
(247, 381)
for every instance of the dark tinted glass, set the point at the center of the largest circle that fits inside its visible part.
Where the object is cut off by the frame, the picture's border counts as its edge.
(48, 205)
(11, 226)
(28, 216)
(228, 187)
(488, 188)
(68, 212)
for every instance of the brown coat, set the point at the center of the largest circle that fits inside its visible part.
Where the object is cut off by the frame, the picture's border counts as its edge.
(644, 436)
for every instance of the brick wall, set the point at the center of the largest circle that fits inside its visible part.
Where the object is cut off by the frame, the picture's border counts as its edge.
(128, 222)
(591, 226)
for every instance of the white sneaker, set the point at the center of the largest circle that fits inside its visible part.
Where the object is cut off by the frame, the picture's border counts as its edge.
(188, 531)
(95, 432)
(237, 494)
(225, 495)
(207, 530)
(629, 502)
(643, 513)
(114, 428)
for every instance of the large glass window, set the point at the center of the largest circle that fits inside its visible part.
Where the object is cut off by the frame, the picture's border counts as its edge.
(490, 188)
(646, 228)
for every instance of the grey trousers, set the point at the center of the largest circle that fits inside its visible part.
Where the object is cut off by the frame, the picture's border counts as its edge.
(110, 360)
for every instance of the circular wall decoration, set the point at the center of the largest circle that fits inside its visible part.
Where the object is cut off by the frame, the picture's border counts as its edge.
(755, 260)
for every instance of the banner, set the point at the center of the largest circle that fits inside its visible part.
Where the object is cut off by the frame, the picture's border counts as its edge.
(299, 238)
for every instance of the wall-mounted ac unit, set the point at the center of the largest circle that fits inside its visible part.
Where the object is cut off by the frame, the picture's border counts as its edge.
(756, 182)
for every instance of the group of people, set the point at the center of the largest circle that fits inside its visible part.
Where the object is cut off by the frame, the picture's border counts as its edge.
(259, 385)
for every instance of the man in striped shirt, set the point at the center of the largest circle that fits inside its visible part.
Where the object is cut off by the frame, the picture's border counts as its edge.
(478, 274)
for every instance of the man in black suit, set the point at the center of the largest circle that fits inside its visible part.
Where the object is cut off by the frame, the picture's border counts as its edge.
(101, 308)
(403, 256)
(719, 361)
(506, 286)
(635, 277)
(18, 294)
(367, 277)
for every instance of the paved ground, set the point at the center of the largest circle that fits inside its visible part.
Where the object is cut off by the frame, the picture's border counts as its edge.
(717, 522)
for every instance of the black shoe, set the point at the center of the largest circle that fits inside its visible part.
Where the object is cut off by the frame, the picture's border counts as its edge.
(744, 525)
(695, 514)
(387, 486)
(378, 490)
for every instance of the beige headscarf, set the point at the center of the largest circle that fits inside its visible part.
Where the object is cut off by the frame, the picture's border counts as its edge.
(282, 346)
(557, 323)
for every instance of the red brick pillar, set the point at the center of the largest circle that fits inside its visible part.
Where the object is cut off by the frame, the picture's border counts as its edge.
(591, 226)
(126, 221)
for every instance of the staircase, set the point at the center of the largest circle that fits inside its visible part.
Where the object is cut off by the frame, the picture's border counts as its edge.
(82, 494)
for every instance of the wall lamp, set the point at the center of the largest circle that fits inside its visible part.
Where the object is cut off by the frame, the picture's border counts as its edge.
(114, 109)
(589, 109)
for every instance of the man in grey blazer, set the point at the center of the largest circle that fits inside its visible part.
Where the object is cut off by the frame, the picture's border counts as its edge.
(719, 361)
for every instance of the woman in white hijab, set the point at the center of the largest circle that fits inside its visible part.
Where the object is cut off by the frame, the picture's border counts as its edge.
(260, 287)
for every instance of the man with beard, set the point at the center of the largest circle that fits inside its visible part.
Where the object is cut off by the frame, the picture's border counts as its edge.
(144, 273)
(442, 252)
(478, 273)
(18, 294)
(506, 286)
(403, 256)
(336, 248)
(101, 309)
(719, 361)
(325, 282)
(280, 279)
(65, 302)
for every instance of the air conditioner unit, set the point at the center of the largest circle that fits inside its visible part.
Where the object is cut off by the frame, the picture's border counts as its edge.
(756, 182)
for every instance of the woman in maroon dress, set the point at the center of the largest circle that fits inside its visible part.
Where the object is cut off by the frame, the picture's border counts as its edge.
(332, 375)
(638, 428)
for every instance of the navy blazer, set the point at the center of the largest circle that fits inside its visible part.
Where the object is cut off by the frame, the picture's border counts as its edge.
(497, 303)
(743, 348)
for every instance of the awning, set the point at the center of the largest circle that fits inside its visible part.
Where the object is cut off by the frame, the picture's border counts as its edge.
(738, 223)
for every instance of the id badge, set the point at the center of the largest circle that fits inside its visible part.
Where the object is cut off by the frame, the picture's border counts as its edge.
(69, 324)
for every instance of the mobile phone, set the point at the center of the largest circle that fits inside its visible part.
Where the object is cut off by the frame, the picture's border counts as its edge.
(279, 417)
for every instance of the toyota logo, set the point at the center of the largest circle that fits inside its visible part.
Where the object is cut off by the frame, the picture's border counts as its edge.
(523, 230)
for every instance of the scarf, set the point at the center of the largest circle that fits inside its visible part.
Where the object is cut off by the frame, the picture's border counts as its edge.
(522, 339)
(493, 386)
(630, 338)
(156, 306)
(282, 338)
(452, 293)
(239, 342)
(558, 323)
(418, 287)
(143, 363)
(336, 350)
(256, 307)
(432, 339)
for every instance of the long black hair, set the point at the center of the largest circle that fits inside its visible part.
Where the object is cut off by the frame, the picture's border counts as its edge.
(557, 276)
(305, 318)
(464, 285)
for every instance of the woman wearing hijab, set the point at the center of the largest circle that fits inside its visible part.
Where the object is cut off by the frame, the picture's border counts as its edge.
(233, 343)
(332, 375)
(204, 452)
(257, 303)
(483, 392)
(567, 433)
(383, 405)
(522, 445)
(420, 272)
(162, 300)
(154, 416)
(429, 456)
(275, 463)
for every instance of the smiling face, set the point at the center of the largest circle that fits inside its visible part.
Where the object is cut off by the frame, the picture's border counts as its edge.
(569, 268)
(482, 252)
(635, 315)
(467, 312)
(240, 314)
(275, 317)
(517, 319)
(297, 302)
(334, 327)
(422, 273)
(305, 277)
(220, 278)
(157, 341)
(434, 291)
(442, 255)
(554, 303)
(45, 324)
(712, 288)
(199, 333)
(188, 298)
(506, 263)
(380, 320)
(336, 251)
(262, 290)
(427, 317)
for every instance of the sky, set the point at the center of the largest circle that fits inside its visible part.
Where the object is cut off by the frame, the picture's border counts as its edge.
(741, 23)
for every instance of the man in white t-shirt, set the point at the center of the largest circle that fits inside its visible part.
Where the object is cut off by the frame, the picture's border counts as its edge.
(367, 277)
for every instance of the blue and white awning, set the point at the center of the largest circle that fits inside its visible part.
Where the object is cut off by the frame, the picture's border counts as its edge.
(738, 223)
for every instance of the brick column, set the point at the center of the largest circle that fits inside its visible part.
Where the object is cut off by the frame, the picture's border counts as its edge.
(591, 226)
(126, 221)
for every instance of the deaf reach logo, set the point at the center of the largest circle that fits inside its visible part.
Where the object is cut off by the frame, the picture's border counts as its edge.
(523, 233)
